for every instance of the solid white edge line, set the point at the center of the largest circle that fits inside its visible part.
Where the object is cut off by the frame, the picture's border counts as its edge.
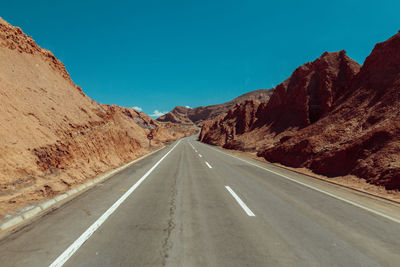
(241, 203)
(319, 190)
(209, 166)
(86, 235)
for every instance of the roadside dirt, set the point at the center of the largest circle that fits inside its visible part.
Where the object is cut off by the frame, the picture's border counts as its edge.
(349, 181)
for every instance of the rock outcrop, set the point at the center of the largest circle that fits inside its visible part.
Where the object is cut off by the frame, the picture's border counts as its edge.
(309, 93)
(225, 130)
(305, 97)
(361, 135)
(330, 116)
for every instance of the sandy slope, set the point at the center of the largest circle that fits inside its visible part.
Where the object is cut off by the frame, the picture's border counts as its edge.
(53, 136)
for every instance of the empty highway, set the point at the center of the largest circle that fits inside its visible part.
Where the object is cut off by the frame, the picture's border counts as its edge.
(191, 204)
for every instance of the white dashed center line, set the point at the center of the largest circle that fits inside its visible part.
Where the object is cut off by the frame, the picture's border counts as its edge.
(200, 155)
(208, 165)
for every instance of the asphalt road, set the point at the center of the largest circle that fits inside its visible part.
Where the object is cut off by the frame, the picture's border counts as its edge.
(191, 204)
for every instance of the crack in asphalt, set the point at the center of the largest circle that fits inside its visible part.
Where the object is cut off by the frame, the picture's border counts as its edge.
(167, 244)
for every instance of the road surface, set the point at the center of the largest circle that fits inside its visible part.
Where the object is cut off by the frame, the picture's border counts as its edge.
(191, 204)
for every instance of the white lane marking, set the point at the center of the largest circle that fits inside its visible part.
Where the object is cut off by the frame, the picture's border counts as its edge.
(241, 203)
(208, 164)
(320, 190)
(191, 145)
(200, 156)
(195, 150)
(86, 235)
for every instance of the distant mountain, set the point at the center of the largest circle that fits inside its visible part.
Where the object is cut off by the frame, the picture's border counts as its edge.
(178, 115)
(200, 114)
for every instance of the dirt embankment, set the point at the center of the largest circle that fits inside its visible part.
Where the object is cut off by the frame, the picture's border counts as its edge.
(330, 116)
(52, 136)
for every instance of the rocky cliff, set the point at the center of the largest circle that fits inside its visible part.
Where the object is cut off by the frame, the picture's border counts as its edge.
(309, 93)
(305, 97)
(361, 135)
(330, 116)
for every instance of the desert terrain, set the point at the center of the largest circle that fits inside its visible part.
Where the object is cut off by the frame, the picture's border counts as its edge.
(53, 136)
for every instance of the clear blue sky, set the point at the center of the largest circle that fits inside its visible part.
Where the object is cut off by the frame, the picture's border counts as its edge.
(159, 54)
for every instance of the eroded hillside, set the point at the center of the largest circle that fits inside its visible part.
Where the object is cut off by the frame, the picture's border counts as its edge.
(52, 135)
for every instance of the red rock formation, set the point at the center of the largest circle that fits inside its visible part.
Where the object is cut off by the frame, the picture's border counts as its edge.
(309, 93)
(237, 121)
(296, 103)
(361, 136)
(329, 117)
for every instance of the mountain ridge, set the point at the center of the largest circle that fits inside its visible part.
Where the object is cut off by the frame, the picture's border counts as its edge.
(197, 115)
